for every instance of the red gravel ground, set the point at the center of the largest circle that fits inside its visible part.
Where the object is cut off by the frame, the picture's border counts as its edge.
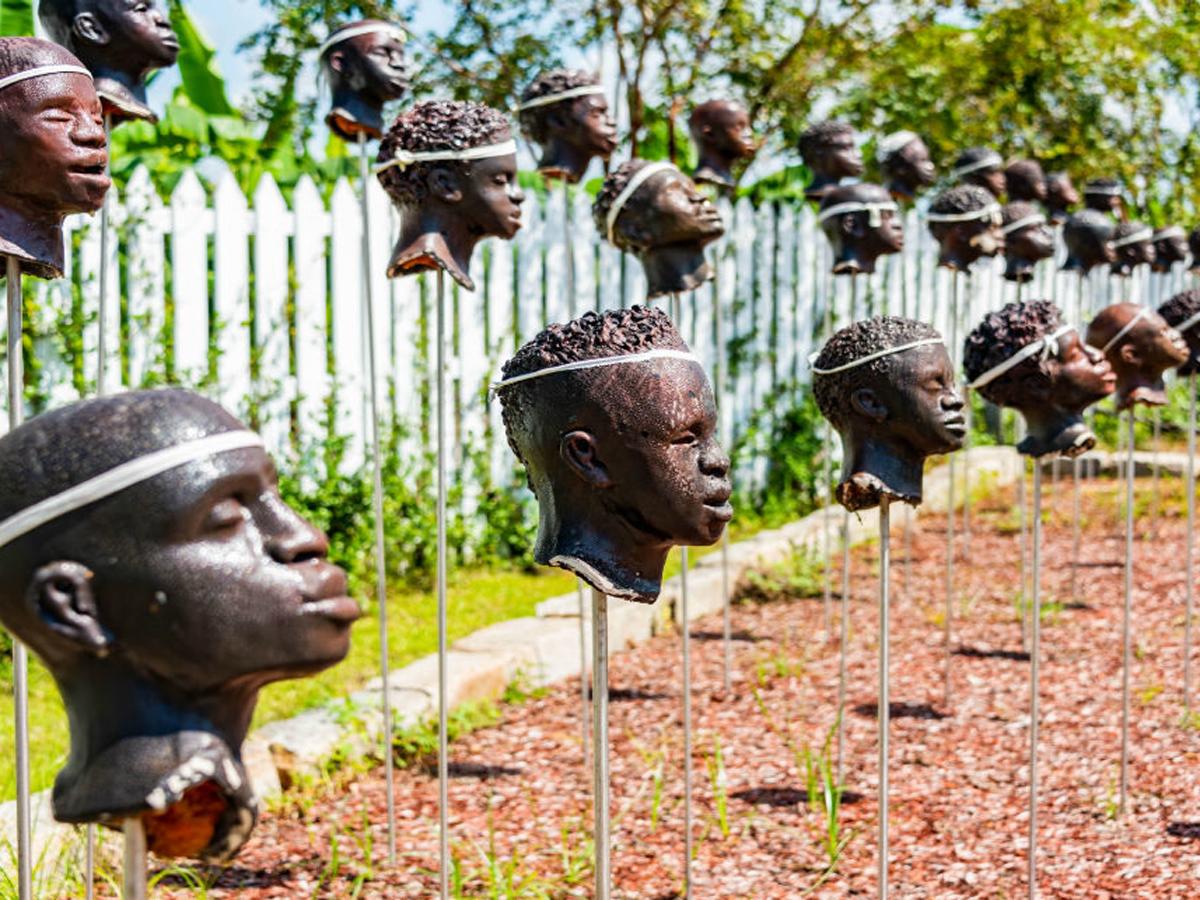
(959, 773)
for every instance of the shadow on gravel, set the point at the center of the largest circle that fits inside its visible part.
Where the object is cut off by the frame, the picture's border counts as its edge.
(477, 771)
(1189, 831)
(745, 637)
(901, 711)
(976, 653)
(623, 695)
(785, 797)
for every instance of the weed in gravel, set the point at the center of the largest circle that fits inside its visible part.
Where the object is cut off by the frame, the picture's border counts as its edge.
(718, 782)
(1149, 693)
(798, 576)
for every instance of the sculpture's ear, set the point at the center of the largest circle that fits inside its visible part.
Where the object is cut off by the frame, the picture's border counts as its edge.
(61, 594)
(1130, 355)
(337, 61)
(866, 402)
(89, 29)
(849, 225)
(578, 450)
(443, 183)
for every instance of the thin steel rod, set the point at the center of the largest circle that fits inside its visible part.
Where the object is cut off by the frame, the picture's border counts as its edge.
(1189, 555)
(844, 645)
(827, 538)
(1034, 674)
(948, 625)
(969, 415)
(133, 869)
(1156, 495)
(377, 499)
(1023, 539)
(884, 699)
(600, 774)
(722, 390)
(443, 703)
(102, 341)
(1076, 525)
(1126, 625)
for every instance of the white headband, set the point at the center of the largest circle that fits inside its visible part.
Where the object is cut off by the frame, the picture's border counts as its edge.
(1187, 324)
(357, 31)
(992, 209)
(402, 160)
(585, 90)
(871, 357)
(1169, 232)
(1047, 346)
(1034, 219)
(853, 206)
(1145, 234)
(597, 364)
(1116, 338)
(119, 478)
(992, 159)
(1103, 190)
(10, 80)
(893, 143)
(636, 181)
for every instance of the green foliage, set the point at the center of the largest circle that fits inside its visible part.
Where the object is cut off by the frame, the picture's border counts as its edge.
(16, 18)
(204, 84)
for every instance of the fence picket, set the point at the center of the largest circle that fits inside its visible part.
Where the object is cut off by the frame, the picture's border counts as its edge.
(189, 282)
(312, 362)
(272, 226)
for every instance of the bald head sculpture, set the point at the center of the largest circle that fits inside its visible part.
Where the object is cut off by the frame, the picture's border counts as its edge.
(1088, 236)
(363, 64)
(905, 163)
(1140, 346)
(862, 224)
(1025, 181)
(1061, 196)
(720, 130)
(1027, 240)
(830, 150)
(1170, 247)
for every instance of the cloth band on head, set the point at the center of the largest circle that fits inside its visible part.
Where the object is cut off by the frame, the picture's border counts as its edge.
(1169, 232)
(1188, 324)
(853, 206)
(119, 478)
(1048, 347)
(1034, 219)
(640, 177)
(992, 160)
(585, 90)
(402, 160)
(893, 143)
(992, 209)
(1116, 338)
(40, 71)
(358, 30)
(871, 357)
(1144, 234)
(597, 364)
(1103, 190)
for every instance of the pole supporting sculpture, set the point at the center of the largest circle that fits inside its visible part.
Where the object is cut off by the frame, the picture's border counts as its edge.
(830, 150)
(720, 130)
(601, 838)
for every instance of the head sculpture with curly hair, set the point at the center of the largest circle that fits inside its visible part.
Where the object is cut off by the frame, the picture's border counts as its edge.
(1104, 195)
(1088, 236)
(53, 153)
(1032, 364)
(830, 150)
(862, 224)
(720, 130)
(906, 165)
(451, 169)
(1027, 240)
(965, 221)
(1134, 243)
(1140, 346)
(1170, 247)
(1025, 181)
(655, 212)
(120, 42)
(615, 423)
(887, 385)
(982, 167)
(564, 112)
(1182, 312)
(1061, 196)
(363, 64)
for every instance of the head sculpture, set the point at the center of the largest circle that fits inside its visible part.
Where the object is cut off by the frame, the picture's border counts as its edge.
(451, 169)
(830, 150)
(1088, 235)
(1140, 346)
(720, 130)
(887, 385)
(615, 423)
(1170, 247)
(981, 167)
(1182, 312)
(966, 223)
(862, 223)
(53, 151)
(162, 597)
(120, 41)
(1134, 243)
(1194, 246)
(1061, 196)
(1026, 358)
(655, 212)
(1104, 195)
(363, 64)
(904, 161)
(1024, 180)
(1027, 240)
(564, 112)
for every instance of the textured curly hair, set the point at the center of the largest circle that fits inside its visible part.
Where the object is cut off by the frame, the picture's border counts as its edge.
(1017, 210)
(1178, 310)
(534, 121)
(1001, 335)
(815, 139)
(853, 342)
(973, 155)
(609, 191)
(436, 125)
(964, 198)
(1105, 186)
(1125, 229)
(1086, 230)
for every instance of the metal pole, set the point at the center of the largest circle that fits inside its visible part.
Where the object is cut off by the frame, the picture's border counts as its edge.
(133, 881)
(884, 700)
(377, 500)
(1076, 526)
(970, 415)
(443, 705)
(600, 776)
(1156, 495)
(827, 549)
(722, 388)
(845, 639)
(1034, 652)
(1126, 636)
(102, 343)
(950, 513)
(1190, 552)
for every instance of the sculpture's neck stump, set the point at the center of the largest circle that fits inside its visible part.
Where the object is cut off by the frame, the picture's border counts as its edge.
(675, 268)
(715, 170)
(36, 243)
(352, 115)
(820, 186)
(850, 262)
(432, 241)
(122, 96)
(875, 469)
(1137, 388)
(561, 159)
(1018, 269)
(1055, 432)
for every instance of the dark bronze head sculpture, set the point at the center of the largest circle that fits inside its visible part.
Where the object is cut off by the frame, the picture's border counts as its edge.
(147, 558)
(1027, 240)
(1182, 312)
(862, 223)
(966, 223)
(615, 423)
(721, 132)
(1170, 247)
(981, 167)
(887, 385)
(1024, 180)
(1061, 196)
(655, 212)
(120, 41)
(1025, 358)
(1088, 236)
(904, 161)
(565, 113)
(830, 150)
(451, 169)
(363, 63)
(1104, 195)
(1134, 243)
(1140, 346)
(53, 151)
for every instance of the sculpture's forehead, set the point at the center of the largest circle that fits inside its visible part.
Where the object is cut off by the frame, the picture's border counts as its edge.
(654, 391)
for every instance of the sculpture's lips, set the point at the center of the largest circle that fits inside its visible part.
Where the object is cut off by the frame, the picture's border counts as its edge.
(721, 511)
(336, 609)
(171, 42)
(956, 424)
